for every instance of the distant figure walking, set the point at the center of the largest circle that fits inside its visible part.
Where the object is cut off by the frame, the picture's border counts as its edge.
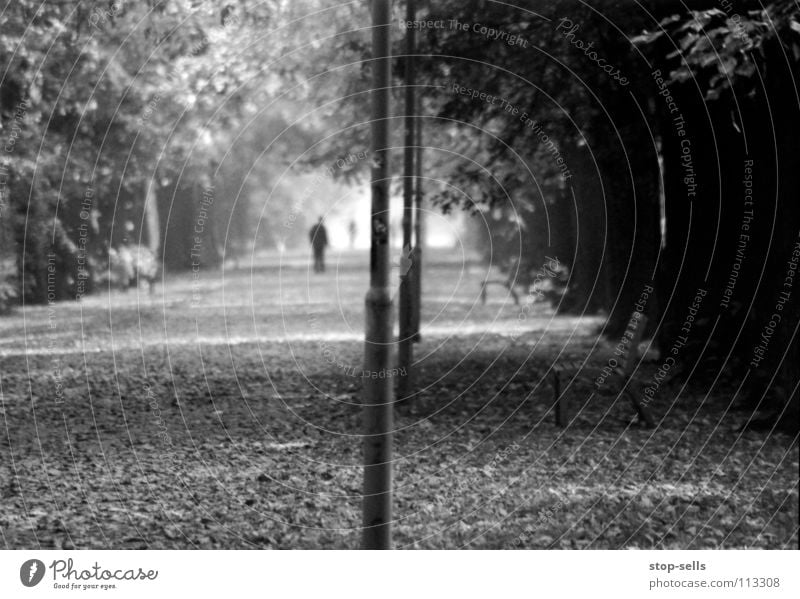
(352, 229)
(319, 241)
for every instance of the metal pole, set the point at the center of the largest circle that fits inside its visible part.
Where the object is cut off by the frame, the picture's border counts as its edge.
(419, 233)
(406, 347)
(378, 396)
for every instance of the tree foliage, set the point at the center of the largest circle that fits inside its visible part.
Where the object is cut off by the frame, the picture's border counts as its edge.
(102, 100)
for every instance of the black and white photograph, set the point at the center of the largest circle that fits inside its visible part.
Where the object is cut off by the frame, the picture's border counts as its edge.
(414, 275)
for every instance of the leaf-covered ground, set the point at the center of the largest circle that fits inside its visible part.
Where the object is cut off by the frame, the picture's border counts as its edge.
(223, 412)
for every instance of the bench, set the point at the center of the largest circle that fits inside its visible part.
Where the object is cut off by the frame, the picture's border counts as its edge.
(616, 371)
(507, 283)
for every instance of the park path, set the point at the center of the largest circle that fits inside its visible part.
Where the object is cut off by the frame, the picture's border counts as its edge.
(277, 299)
(223, 411)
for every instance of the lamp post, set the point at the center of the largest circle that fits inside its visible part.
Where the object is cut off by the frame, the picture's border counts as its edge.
(405, 356)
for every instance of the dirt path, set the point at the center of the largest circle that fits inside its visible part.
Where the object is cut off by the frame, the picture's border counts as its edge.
(222, 412)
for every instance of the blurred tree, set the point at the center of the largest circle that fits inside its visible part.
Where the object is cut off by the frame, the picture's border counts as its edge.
(733, 77)
(101, 101)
